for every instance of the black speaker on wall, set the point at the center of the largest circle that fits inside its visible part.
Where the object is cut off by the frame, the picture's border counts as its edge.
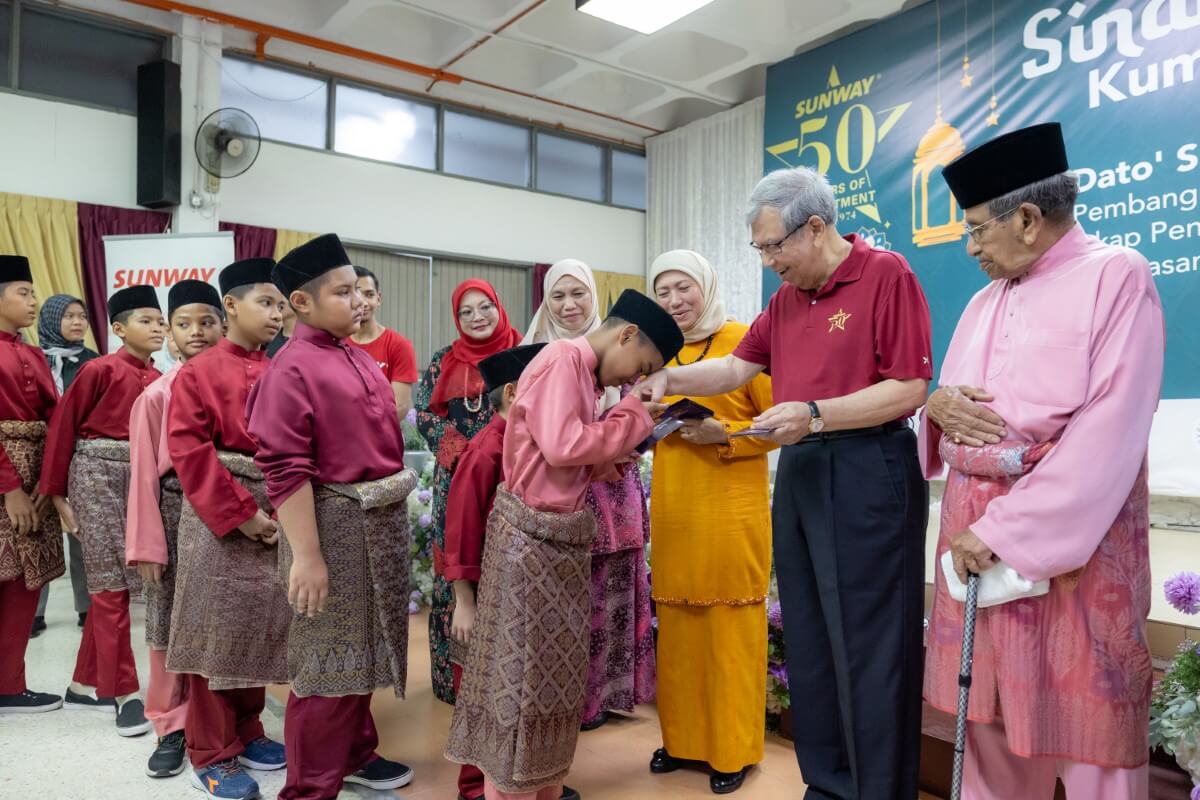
(159, 141)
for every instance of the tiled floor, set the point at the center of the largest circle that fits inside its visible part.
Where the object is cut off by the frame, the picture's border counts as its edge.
(78, 756)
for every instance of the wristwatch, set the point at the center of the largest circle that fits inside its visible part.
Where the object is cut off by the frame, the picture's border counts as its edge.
(815, 423)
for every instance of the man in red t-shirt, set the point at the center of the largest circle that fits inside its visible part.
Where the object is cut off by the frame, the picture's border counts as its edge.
(846, 341)
(392, 352)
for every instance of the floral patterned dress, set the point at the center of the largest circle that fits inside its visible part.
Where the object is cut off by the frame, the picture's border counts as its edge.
(447, 437)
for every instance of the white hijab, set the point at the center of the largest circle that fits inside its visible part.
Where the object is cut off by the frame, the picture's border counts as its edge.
(544, 327)
(712, 317)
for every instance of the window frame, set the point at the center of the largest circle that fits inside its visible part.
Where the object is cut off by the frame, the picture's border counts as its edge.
(18, 7)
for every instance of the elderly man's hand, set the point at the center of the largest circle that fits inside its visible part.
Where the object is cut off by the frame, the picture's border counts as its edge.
(787, 422)
(957, 411)
(970, 554)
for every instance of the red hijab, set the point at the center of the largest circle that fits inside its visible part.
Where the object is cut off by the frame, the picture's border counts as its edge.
(460, 366)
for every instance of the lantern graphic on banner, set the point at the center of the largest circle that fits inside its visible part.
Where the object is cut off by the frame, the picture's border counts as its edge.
(940, 145)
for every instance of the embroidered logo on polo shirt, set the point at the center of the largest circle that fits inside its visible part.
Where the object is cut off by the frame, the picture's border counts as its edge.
(838, 321)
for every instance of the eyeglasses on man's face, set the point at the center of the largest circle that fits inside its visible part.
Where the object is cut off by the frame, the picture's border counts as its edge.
(776, 247)
(976, 231)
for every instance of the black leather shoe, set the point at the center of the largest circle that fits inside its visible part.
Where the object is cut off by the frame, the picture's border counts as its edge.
(727, 782)
(39, 625)
(662, 762)
(569, 794)
(595, 722)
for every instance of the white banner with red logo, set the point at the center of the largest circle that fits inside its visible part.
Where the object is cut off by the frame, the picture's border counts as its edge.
(161, 261)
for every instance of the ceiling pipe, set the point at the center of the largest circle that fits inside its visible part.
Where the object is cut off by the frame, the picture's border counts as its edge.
(265, 32)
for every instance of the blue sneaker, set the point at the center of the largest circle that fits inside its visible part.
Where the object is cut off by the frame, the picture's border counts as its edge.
(226, 780)
(264, 754)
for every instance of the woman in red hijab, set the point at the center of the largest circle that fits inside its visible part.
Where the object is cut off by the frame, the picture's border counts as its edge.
(451, 408)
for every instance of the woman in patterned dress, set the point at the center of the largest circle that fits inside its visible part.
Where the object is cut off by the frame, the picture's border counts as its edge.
(451, 409)
(621, 657)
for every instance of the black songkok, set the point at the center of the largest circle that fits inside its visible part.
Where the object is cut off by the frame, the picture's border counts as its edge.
(1006, 163)
(132, 297)
(658, 325)
(308, 261)
(246, 272)
(507, 365)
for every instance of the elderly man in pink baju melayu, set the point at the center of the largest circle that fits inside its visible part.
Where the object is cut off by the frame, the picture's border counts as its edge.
(1043, 419)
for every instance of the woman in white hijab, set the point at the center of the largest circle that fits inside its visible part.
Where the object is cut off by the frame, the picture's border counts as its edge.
(711, 544)
(621, 663)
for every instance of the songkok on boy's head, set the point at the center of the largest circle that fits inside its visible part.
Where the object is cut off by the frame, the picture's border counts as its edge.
(507, 365)
(308, 261)
(246, 272)
(132, 297)
(1007, 163)
(187, 292)
(15, 268)
(658, 325)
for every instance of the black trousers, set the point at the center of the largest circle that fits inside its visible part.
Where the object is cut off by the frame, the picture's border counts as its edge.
(848, 520)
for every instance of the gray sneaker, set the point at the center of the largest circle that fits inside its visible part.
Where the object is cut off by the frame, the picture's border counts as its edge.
(131, 719)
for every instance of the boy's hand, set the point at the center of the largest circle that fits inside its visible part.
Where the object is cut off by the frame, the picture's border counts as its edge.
(66, 515)
(151, 573)
(308, 586)
(260, 528)
(654, 409)
(21, 512)
(462, 621)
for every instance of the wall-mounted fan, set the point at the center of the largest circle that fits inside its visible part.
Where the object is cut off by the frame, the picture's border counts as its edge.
(227, 144)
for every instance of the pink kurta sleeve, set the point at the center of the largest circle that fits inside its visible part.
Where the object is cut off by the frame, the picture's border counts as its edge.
(281, 419)
(1054, 518)
(145, 539)
(563, 435)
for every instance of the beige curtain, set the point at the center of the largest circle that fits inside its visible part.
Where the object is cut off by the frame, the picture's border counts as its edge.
(286, 241)
(47, 233)
(609, 286)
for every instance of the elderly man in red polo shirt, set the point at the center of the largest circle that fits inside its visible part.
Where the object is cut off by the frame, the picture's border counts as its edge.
(846, 341)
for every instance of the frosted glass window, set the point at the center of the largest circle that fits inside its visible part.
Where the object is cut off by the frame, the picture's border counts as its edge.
(5, 40)
(75, 59)
(288, 106)
(628, 179)
(376, 125)
(486, 149)
(570, 167)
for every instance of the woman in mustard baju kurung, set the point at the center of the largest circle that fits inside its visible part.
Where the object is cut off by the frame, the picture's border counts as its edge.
(710, 533)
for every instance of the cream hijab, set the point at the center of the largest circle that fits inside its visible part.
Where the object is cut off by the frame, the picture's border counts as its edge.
(712, 317)
(544, 327)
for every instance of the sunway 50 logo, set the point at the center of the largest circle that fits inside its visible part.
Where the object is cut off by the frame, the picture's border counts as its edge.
(856, 133)
(1126, 30)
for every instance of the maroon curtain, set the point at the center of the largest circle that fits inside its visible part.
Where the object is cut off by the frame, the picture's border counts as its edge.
(539, 278)
(96, 222)
(251, 241)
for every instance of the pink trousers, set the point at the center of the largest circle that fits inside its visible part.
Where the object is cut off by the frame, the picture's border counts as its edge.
(993, 772)
(166, 696)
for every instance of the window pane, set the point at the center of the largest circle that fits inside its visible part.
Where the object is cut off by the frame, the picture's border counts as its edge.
(288, 106)
(5, 33)
(375, 125)
(486, 149)
(571, 167)
(628, 179)
(77, 60)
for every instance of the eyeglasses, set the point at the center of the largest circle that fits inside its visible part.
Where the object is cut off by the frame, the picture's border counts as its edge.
(775, 248)
(976, 231)
(483, 310)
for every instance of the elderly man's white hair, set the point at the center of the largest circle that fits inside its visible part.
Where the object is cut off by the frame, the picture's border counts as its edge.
(1055, 196)
(798, 194)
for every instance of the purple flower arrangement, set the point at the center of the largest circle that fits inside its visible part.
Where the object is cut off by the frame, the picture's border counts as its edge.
(1183, 592)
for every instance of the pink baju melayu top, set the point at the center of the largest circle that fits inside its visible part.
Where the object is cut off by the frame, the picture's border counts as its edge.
(149, 461)
(1073, 354)
(554, 443)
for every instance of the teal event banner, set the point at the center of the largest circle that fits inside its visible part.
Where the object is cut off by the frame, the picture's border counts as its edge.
(881, 111)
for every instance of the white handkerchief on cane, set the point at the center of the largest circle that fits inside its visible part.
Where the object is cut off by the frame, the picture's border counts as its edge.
(1000, 584)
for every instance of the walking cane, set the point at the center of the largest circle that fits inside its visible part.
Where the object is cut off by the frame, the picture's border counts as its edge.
(964, 684)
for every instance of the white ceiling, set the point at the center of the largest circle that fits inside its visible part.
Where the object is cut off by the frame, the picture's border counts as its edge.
(553, 64)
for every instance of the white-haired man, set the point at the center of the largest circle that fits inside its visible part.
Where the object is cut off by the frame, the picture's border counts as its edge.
(846, 340)
(1043, 417)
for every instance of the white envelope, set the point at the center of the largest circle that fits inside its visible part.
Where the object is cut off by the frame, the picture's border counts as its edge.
(1000, 584)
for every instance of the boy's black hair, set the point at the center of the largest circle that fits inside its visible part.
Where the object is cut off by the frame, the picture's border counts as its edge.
(123, 317)
(497, 397)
